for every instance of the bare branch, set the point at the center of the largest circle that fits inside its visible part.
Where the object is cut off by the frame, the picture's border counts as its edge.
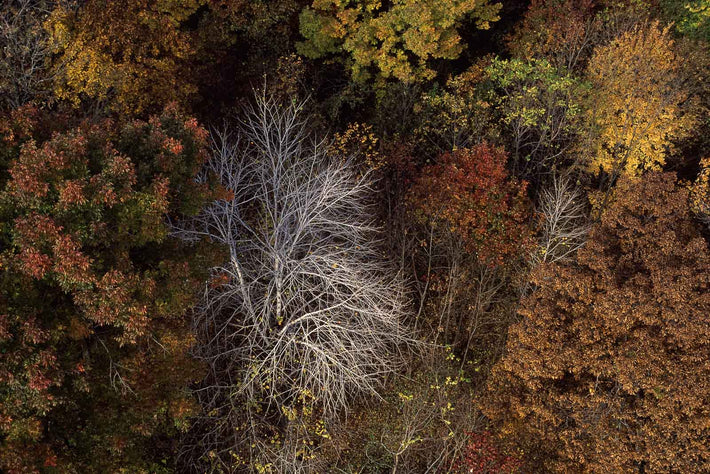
(565, 222)
(25, 51)
(310, 304)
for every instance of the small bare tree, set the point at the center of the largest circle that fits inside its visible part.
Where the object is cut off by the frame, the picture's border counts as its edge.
(565, 222)
(307, 304)
(25, 51)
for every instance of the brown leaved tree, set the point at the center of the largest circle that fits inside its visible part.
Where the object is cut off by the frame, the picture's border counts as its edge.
(608, 368)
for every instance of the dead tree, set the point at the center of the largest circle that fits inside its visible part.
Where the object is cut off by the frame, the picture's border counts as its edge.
(307, 303)
(565, 223)
(25, 52)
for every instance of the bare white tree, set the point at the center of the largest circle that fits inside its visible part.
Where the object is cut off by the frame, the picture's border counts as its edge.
(307, 303)
(565, 222)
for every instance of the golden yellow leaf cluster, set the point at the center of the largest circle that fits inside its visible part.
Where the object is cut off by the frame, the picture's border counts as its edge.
(637, 108)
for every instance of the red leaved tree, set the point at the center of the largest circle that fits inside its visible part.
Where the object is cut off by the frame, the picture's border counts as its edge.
(483, 456)
(469, 192)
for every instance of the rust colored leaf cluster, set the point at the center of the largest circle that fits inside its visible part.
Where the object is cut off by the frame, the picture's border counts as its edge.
(469, 192)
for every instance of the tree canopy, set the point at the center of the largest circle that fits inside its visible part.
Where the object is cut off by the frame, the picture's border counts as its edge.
(357, 236)
(608, 349)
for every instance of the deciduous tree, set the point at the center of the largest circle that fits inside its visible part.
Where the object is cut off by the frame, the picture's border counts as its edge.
(469, 191)
(565, 222)
(482, 456)
(691, 17)
(397, 39)
(25, 52)
(700, 193)
(93, 329)
(306, 312)
(639, 107)
(128, 55)
(565, 32)
(608, 369)
(539, 108)
(562, 31)
(469, 229)
(457, 115)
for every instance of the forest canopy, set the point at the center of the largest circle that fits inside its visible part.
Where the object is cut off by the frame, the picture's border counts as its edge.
(354, 236)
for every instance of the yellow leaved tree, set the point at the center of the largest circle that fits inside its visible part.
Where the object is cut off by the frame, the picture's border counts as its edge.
(639, 107)
(397, 39)
(131, 52)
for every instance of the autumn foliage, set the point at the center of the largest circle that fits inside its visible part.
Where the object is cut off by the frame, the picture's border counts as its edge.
(469, 192)
(446, 236)
(562, 31)
(483, 456)
(700, 193)
(639, 110)
(130, 55)
(399, 41)
(92, 328)
(607, 370)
